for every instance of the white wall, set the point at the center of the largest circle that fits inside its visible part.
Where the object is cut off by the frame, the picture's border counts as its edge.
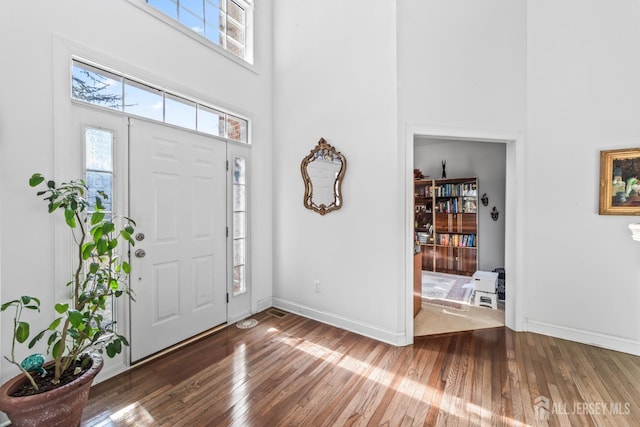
(335, 77)
(484, 160)
(31, 38)
(462, 71)
(461, 63)
(340, 75)
(583, 96)
(564, 73)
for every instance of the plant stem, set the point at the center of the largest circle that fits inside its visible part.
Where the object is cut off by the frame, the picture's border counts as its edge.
(25, 372)
(76, 290)
(62, 363)
(13, 346)
(63, 341)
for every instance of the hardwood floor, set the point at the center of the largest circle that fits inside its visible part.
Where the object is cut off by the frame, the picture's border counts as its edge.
(298, 372)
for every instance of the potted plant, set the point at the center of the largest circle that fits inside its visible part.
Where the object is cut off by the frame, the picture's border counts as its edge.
(80, 333)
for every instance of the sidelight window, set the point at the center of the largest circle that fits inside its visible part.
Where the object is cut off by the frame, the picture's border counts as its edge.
(98, 145)
(99, 166)
(239, 225)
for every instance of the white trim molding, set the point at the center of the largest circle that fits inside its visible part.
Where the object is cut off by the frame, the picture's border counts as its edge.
(514, 211)
(351, 325)
(597, 339)
(262, 305)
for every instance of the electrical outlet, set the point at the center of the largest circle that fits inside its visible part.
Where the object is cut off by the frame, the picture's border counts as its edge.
(316, 286)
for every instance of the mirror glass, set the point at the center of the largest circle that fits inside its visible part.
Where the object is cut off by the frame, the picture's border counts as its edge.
(322, 172)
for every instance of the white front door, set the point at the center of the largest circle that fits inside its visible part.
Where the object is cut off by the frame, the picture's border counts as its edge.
(177, 197)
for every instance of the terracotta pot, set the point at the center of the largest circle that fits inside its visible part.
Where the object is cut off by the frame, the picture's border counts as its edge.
(60, 407)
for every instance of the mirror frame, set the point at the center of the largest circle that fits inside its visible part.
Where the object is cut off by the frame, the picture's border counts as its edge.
(323, 149)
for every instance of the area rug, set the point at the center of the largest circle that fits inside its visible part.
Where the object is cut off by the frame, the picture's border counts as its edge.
(247, 323)
(433, 319)
(447, 290)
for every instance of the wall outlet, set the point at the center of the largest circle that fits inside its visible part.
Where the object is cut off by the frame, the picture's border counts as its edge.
(316, 286)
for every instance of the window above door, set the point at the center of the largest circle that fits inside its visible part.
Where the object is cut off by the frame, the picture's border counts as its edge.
(222, 24)
(112, 90)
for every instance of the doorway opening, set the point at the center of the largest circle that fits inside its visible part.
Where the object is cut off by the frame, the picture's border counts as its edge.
(455, 142)
(192, 224)
(177, 193)
(456, 235)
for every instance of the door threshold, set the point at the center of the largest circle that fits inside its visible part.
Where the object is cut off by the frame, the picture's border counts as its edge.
(180, 345)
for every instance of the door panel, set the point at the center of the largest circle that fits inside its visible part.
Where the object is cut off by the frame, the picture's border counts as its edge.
(178, 199)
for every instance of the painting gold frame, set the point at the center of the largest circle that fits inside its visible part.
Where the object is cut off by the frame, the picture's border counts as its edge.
(620, 182)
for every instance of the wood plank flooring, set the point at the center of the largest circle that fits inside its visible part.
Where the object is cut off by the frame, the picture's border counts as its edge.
(292, 371)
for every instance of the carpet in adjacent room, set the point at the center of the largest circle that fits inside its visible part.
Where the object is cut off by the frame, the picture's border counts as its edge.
(447, 290)
(432, 319)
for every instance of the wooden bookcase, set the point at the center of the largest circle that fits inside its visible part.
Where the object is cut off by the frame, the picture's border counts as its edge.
(446, 224)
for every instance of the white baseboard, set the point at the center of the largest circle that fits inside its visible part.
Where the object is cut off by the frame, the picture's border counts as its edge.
(351, 325)
(610, 342)
(264, 304)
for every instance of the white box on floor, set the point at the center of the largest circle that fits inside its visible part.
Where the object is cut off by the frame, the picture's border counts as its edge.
(486, 299)
(485, 281)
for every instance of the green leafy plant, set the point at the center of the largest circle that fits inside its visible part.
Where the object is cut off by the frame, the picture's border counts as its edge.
(21, 330)
(99, 276)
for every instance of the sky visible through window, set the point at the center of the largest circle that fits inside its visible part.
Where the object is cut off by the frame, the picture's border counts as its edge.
(109, 90)
(96, 86)
(143, 101)
(168, 7)
(221, 21)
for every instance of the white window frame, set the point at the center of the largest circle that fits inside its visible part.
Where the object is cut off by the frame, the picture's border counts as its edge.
(113, 309)
(239, 306)
(126, 79)
(248, 7)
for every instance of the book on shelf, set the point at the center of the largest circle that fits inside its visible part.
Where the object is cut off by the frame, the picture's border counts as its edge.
(458, 240)
(423, 238)
(422, 191)
(457, 190)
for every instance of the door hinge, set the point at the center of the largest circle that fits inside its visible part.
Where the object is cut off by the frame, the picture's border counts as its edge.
(227, 164)
(227, 297)
(227, 231)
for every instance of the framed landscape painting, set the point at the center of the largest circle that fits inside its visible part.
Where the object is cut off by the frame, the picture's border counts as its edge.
(620, 182)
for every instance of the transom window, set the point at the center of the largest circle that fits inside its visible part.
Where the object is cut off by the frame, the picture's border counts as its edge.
(224, 22)
(117, 92)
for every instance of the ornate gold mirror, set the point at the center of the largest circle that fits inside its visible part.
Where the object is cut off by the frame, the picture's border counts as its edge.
(322, 172)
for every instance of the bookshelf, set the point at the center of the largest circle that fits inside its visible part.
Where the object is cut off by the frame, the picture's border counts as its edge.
(446, 224)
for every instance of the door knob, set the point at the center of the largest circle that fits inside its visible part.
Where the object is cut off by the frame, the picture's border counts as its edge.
(140, 253)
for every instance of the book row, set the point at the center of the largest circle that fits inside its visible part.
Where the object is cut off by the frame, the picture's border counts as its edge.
(455, 190)
(457, 206)
(460, 240)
